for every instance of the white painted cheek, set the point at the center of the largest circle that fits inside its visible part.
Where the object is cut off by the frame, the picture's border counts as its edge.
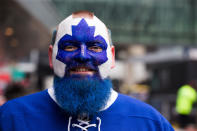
(105, 68)
(58, 66)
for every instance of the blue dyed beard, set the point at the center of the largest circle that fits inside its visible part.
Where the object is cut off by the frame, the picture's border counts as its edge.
(82, 96)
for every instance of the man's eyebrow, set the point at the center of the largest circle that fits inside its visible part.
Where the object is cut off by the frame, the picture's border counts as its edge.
(71, 41)
(95, 41)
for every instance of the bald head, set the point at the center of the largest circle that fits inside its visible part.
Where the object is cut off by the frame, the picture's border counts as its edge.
(83, 14)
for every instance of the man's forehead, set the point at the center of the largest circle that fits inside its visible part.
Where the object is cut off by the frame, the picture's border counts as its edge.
(65, 27)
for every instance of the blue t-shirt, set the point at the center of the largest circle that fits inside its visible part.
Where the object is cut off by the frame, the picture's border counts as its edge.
(38, 112)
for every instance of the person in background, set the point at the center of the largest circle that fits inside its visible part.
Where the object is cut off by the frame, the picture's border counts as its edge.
(186, 97)
(2, 99)
(82, 97)
(14, 90)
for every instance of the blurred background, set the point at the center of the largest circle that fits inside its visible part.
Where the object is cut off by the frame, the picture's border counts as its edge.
(155, 40)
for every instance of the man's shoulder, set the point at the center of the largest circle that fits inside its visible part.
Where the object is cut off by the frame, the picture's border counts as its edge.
(136, 109)
(135, 114)
(27, 98)
(137, 106)
(22, 104)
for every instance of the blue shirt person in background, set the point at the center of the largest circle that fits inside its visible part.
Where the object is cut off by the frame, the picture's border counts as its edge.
(82, 96)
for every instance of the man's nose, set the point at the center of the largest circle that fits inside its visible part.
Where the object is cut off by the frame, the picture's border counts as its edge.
(83, 56)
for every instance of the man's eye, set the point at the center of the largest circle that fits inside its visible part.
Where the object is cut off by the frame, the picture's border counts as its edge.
(95, 49)
(70, 48)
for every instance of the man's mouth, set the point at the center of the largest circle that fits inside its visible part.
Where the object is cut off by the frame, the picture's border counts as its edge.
(82, 71)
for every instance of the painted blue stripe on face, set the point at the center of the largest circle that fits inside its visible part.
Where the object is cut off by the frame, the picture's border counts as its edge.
(82, 39)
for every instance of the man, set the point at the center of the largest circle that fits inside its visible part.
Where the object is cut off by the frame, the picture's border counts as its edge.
(82, 97)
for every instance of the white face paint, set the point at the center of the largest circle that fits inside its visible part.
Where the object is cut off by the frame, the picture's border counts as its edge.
(65, 27)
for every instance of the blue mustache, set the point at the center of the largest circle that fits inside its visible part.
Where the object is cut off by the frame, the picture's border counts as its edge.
(87, 65)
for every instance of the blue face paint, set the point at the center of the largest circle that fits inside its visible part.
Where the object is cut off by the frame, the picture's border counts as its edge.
(82, 38)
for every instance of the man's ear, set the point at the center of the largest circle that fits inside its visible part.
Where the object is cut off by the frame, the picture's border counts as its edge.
(113, 57)
(50, 52)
